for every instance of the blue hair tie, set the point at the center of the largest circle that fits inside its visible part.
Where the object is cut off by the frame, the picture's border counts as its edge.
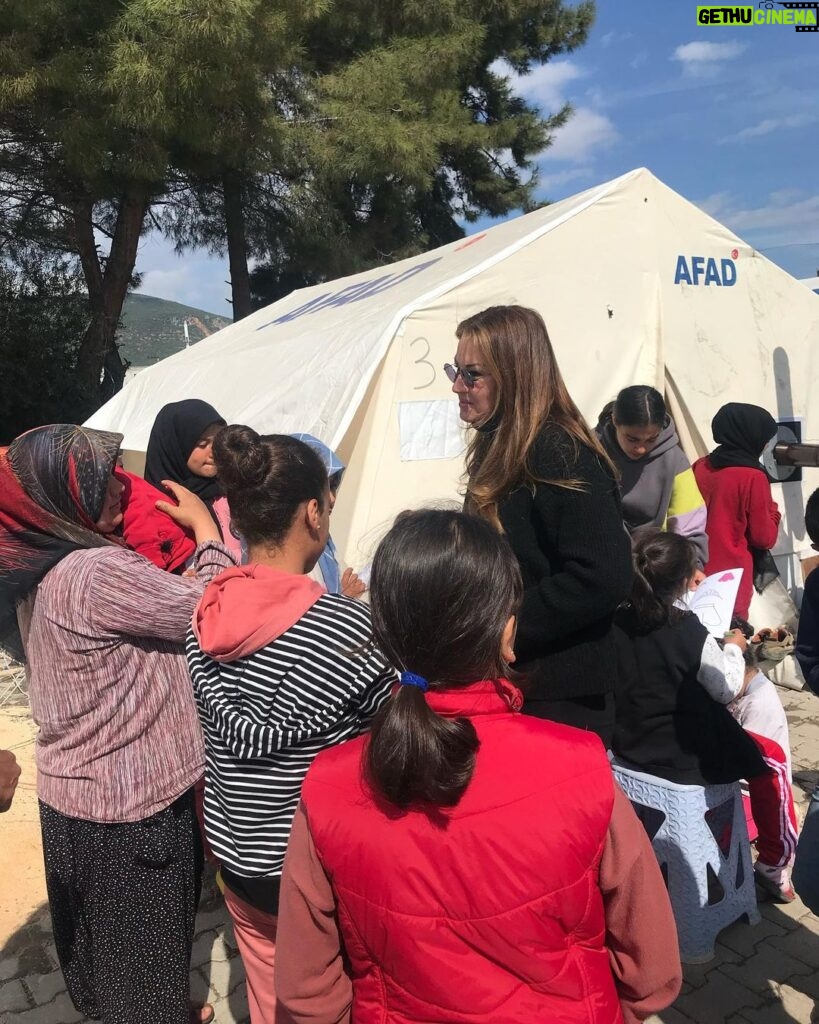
(411, 679)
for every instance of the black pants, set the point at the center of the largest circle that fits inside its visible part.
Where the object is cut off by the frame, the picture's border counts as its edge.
(595, 713)
(123, 901)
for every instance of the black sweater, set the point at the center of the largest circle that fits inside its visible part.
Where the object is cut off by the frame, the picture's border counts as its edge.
(667, 724)
(575, 557)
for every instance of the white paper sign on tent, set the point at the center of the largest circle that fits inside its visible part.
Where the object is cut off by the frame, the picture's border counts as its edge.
(713, 600)
(430, 430)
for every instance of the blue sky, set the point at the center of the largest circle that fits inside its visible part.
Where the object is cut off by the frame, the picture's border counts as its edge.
(727, 116)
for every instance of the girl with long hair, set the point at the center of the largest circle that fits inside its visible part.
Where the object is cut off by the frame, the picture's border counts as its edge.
(675, 685)
(281, 669)
(450, 866)
(657, 484)
(538, 473)
(119, 746)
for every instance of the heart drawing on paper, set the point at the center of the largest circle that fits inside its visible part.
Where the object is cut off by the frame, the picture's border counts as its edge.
(726, 577)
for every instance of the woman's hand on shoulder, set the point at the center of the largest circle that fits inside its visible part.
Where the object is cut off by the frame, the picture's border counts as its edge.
(189, 512)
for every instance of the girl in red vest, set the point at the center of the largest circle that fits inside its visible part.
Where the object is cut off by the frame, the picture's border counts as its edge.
(466, 862)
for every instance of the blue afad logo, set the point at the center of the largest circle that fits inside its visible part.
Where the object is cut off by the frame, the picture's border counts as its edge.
(699, 270)
(352, 293)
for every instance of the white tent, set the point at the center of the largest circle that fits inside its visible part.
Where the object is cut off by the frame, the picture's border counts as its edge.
(636, 285)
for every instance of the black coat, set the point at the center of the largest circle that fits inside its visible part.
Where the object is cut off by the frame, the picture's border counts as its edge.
(575, 557)
(667, 725)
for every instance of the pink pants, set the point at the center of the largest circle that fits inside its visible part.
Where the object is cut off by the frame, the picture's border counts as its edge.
(256, 938)
(772, 806)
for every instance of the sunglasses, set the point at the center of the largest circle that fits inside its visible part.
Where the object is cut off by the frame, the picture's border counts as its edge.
(469, 377)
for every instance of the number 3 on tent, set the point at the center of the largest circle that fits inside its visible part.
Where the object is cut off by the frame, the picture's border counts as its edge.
(424, 361)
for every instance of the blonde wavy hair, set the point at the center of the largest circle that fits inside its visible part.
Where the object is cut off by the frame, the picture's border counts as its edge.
(515, 351)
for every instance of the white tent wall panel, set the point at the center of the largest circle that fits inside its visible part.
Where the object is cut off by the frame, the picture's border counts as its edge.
(343, 359)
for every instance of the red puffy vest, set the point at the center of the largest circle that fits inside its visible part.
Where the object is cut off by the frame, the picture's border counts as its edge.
(486, 912)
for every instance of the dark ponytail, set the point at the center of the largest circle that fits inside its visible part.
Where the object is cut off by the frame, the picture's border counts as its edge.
(663, 565)
(639, 406)
(443, 587)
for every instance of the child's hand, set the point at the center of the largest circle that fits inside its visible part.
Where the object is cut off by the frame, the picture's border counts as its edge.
(736, 637)
(351, 585)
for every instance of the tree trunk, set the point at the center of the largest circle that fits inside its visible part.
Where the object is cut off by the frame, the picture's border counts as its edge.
(237, 245)
(100, 371)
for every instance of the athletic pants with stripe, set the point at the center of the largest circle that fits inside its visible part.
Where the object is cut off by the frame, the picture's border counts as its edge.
(772, 806)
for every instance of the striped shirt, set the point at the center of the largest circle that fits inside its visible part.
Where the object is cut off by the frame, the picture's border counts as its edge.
(266, 717)
(109, 688)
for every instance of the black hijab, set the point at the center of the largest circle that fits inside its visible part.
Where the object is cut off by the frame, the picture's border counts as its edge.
(741, 432)
(177, 428)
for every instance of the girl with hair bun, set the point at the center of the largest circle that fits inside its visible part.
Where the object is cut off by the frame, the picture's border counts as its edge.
(281, 669)
(449, 867)
(657, 482)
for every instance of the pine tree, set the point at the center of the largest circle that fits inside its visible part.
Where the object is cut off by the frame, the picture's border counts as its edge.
(321, 134)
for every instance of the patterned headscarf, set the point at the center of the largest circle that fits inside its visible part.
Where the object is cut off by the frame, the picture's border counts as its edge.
(53, 483)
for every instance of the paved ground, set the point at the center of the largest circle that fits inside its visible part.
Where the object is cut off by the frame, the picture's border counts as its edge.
(767, 974)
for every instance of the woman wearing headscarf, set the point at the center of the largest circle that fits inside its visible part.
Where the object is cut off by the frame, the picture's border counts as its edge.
(180, 449)
(327, 570)
(119, 746)
(743, 518)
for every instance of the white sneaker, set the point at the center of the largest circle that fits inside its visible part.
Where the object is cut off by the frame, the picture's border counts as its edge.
(775, 882)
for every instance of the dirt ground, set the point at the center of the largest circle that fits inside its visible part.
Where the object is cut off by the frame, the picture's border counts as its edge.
(22, 880)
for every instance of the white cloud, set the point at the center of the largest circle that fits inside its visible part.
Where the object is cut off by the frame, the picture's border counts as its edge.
(587, 130)
(614, 37)
(769, 125)
(546, 85)
(586, 133)
(552, 182)
(638, 60)
(702, 59)
(193, 278)
(787, 217)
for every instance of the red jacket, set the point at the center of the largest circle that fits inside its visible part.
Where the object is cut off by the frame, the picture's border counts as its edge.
(486, 912)
(741, 515)
(147, 530)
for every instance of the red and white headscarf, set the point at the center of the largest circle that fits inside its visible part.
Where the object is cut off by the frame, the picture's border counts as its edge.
(53, 483)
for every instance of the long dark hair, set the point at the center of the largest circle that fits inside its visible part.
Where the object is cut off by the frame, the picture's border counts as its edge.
(639, 406)
(663, 564)
(443, 587)
(266, 479)
(517, 353)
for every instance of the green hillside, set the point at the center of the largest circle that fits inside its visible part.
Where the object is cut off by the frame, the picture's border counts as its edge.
(152, 328)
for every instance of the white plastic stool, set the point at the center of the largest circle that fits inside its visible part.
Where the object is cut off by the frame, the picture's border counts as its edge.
(710, 883)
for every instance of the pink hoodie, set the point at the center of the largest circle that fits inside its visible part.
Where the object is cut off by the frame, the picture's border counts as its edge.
(245, 608)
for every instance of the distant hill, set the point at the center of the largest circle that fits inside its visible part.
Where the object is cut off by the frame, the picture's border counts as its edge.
(152, 328)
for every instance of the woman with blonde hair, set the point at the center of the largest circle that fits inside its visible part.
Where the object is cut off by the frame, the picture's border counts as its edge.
(538, 473)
